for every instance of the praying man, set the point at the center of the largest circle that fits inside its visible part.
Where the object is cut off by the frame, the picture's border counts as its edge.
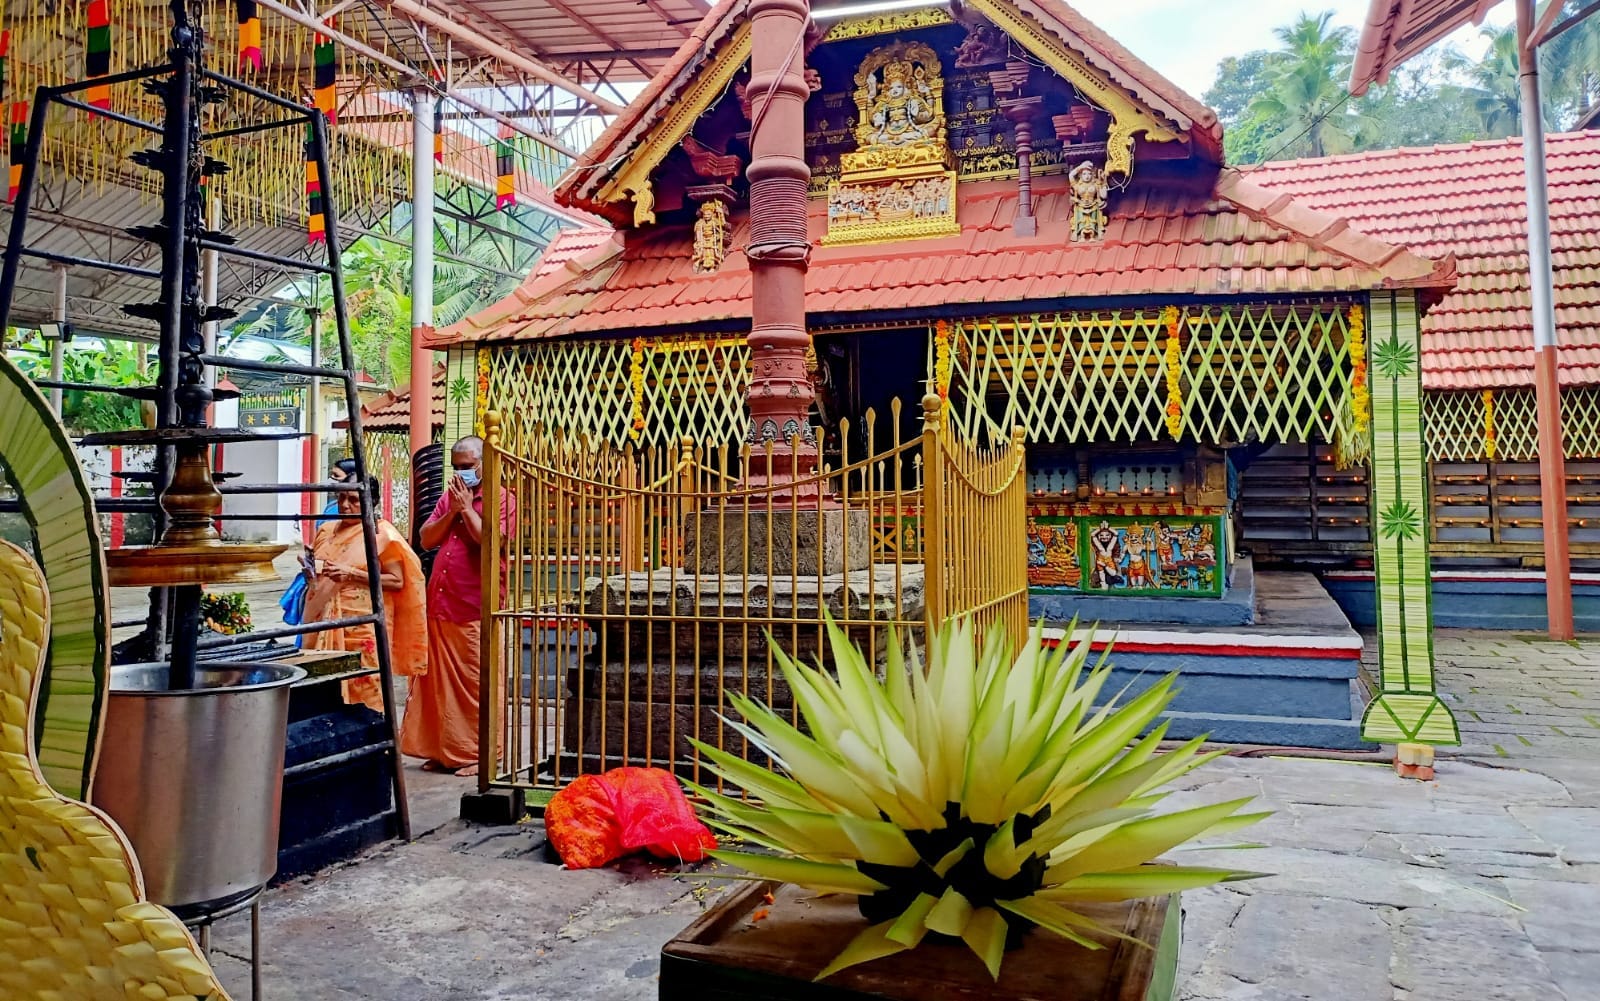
(441, 718)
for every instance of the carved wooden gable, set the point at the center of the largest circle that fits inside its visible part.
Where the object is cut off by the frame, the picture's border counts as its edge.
(906, 106)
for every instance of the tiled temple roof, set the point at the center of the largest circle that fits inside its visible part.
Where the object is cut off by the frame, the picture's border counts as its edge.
(1469, 200)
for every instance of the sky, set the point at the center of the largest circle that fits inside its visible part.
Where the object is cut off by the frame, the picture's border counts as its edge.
(1184, 39)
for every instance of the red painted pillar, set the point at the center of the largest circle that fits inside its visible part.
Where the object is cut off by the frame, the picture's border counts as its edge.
(1541, 297)
(388, 482)
(780, 392)
(308, 527)
(117, 524)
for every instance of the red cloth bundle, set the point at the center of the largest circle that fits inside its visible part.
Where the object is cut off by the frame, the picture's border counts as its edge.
(600, 818)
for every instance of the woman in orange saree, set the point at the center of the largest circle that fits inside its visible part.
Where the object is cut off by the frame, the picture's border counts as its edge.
(339, 591)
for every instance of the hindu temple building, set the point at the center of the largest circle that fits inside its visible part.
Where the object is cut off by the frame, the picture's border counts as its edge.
(1215, 370)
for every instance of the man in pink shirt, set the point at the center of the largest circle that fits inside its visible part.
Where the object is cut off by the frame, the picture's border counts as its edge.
(441, 720)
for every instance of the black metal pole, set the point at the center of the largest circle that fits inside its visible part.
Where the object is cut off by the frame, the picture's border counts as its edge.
(182, 381)
(358, 451)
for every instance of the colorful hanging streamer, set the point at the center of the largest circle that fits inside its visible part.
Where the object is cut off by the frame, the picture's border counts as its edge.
(19, 146)
(5, 50)
(98, 49)
(505, 166)
(316, 223)
(438, 132)
(249, 34)
(324, 94)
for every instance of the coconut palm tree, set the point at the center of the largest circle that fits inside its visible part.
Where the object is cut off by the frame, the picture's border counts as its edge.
(1492, 88)
(1306, 107)
(378, 296)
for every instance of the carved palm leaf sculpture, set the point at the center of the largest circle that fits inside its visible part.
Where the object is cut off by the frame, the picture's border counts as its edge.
(73, 919)
(976, 800)
(38, 464)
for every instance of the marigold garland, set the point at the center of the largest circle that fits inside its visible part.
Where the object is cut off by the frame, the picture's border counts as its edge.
(941, 365)
(636, 381)
(1174, 351)
(481, 410)
(1488, 424)
(1360, 395)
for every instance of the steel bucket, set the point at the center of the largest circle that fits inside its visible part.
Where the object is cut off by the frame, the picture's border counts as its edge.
(195, 778)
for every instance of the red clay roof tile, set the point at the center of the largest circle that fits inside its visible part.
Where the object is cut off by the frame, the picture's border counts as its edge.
(1469, 200)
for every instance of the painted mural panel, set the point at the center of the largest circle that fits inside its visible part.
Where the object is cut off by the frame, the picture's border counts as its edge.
(1173, 556)
(1053, 559)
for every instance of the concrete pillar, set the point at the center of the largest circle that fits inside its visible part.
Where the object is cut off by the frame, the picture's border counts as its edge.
(422, 105)
(1547, 387)
(58, 346)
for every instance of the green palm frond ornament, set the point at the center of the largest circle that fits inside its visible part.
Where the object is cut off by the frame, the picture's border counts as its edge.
(976, 800)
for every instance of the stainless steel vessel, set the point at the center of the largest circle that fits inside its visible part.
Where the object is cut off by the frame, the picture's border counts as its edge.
(195, 778)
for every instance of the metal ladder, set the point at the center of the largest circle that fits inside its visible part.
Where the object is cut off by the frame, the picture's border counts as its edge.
(181, 393)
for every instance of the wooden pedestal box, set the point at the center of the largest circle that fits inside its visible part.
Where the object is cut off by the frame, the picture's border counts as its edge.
(728, 955)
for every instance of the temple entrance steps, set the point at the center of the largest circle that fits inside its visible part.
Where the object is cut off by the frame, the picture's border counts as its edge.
(1290, 678)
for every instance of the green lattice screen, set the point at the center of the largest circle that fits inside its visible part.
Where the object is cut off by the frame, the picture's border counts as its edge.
(1455, 425)
(1273, 373)
(692, 386)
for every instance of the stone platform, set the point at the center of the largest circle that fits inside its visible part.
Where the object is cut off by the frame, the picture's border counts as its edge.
(1474, 599)
(1289, 678)
(667, 645)
(1236, 607)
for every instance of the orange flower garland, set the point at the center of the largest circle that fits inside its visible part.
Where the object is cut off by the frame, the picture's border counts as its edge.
(1488, 425)
(1360, 394)
(1169, 316)
(941, 365)
(481, 410)
(636, 382)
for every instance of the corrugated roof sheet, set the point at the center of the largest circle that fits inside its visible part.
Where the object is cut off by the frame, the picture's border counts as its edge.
(1240, 239)
(1470, 200)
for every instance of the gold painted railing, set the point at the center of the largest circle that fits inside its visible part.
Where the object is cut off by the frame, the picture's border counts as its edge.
(636, 587)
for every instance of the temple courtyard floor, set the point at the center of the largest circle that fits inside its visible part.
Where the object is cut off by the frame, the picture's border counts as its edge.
(1482, 885)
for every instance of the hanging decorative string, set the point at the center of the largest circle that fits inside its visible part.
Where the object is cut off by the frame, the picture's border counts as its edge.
(636, 388)
(505, 167)
(325, 77)
(438, 132)
(941, 365)
(1360, 393)
(97, 52)
(1489, 441)
(19, 146)
(316, 225)
(5, 51)
(249, 34)
(368, 170)
(1174, 354)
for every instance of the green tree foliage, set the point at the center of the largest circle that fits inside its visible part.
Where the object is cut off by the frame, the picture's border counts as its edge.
(113, 363)
(378, 296)
(1291, 101)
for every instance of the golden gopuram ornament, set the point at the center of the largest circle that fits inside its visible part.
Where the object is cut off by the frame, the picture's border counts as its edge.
(898, 184)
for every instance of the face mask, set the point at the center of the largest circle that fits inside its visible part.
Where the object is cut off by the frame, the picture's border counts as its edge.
(468, 476)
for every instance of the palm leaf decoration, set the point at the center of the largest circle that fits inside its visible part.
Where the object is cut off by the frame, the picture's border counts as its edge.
(976, 800)
(40, 466)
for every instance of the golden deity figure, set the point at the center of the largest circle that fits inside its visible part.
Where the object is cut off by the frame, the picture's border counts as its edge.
(897, 183)
(1089, 193)
(710, 236)
(901, 113)
(900, 110)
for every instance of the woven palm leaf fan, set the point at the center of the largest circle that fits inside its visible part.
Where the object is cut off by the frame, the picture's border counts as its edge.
(38, 463)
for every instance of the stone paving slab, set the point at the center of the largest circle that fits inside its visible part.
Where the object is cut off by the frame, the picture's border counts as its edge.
(1481, 886)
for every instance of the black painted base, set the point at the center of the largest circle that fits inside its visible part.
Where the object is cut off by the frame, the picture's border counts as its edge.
(338, 796)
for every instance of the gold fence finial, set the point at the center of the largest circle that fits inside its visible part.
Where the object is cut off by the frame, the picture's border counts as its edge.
(1019, 436)
(491, 428)
(932, 407)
